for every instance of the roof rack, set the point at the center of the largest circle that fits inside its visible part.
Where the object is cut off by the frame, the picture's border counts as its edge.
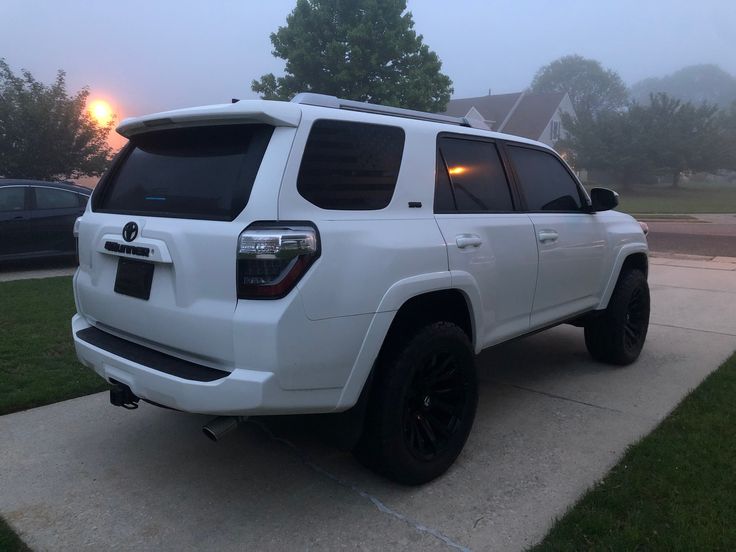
(324, 100)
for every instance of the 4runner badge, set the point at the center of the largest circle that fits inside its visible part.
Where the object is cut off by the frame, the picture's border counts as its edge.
(130, 231)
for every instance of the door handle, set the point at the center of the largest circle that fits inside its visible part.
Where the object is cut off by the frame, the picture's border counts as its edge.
(468, 240)
(545, 236)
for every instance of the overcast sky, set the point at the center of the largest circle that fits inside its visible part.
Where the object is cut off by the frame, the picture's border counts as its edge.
(146, 55)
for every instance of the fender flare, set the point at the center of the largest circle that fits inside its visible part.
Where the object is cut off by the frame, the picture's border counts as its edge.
(623, 253)
(398, 294)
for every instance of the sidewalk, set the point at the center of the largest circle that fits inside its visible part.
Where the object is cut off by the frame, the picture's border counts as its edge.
(36, 273)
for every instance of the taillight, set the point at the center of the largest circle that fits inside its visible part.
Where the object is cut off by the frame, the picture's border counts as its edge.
(75, 233)
(272, 257)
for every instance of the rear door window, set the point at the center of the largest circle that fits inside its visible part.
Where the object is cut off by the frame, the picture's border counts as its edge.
(470, 178)
(350, 166)
(196, 172)
(545, 182)
(50, 198)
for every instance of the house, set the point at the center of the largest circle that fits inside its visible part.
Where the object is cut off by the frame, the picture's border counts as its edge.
(535, 116)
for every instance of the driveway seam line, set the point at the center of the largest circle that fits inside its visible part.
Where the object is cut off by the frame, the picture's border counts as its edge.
(553, 396)
(699, 267)
(655, 286)
(692, 329)
(380, 505)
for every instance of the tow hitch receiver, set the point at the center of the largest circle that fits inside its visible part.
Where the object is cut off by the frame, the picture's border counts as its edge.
(121, 395)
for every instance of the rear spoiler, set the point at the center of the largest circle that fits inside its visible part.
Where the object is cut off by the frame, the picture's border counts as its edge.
(247, 111)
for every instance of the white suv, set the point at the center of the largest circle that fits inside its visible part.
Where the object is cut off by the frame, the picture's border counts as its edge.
(325, 255)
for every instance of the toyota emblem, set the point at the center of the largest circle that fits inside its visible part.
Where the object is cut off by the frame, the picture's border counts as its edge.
(130, 231)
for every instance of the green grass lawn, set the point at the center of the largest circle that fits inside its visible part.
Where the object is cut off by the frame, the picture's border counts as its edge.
(691, 198)
(37, 361)
(674, 490)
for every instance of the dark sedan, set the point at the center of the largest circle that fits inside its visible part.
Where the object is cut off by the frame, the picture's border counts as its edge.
(37, 218)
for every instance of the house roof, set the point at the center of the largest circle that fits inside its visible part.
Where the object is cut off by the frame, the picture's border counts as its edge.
(521, 113)
(493, 108)
(533, 113)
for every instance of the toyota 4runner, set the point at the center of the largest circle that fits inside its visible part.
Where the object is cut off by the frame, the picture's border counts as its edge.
(324, 256)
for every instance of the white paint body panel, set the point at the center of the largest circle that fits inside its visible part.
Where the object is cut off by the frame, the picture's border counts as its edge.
(503, 268)
(572, 268)
(313, 350)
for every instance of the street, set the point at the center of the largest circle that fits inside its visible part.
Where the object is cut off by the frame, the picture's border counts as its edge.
(708, 235)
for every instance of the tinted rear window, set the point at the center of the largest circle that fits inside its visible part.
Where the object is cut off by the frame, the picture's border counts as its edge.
(49, 198)
(199, 172)
(470, 178)
(349, 165)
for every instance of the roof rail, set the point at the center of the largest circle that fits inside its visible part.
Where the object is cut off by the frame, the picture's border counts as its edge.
(324, 100)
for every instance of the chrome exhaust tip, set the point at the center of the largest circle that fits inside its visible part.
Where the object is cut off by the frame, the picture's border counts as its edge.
(218, 427)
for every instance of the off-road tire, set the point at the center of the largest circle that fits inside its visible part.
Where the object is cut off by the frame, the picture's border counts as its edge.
(425, 387)
(618, 334)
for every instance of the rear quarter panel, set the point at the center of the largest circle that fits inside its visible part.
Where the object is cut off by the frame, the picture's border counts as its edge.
(364, 253)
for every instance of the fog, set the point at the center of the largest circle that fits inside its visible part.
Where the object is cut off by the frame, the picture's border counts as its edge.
(147, 56)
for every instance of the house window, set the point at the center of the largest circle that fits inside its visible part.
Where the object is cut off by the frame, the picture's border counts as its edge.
(555, 130)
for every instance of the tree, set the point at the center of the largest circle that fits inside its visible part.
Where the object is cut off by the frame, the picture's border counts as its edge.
(364, 50)
(728, 126)
(592, 88)
(612, 142)
(663, 136)
(682, 136)
(695, 83)
(45, 133)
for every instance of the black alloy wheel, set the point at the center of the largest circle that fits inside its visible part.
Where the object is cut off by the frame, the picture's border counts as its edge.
(434, 407)
(422, 405)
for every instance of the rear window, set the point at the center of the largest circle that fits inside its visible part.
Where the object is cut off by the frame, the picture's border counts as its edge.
(470, 178)
(49, 198)
(350, 166)
(198, 172)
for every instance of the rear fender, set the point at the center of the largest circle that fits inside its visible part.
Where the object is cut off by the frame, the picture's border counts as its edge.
(397, 295)
(393, 299)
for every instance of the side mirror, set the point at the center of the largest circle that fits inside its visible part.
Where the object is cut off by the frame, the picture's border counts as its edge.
(603, 199)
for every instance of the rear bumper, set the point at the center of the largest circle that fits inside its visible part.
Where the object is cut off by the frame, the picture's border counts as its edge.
(158, 378)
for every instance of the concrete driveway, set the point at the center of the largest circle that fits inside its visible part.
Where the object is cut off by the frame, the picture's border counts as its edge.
(82, 475)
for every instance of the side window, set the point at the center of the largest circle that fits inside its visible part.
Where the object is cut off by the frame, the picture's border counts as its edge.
(83, 199)
(350, 166)
(546, 183)
(12, 198)
(470, 177)
(49, 198)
